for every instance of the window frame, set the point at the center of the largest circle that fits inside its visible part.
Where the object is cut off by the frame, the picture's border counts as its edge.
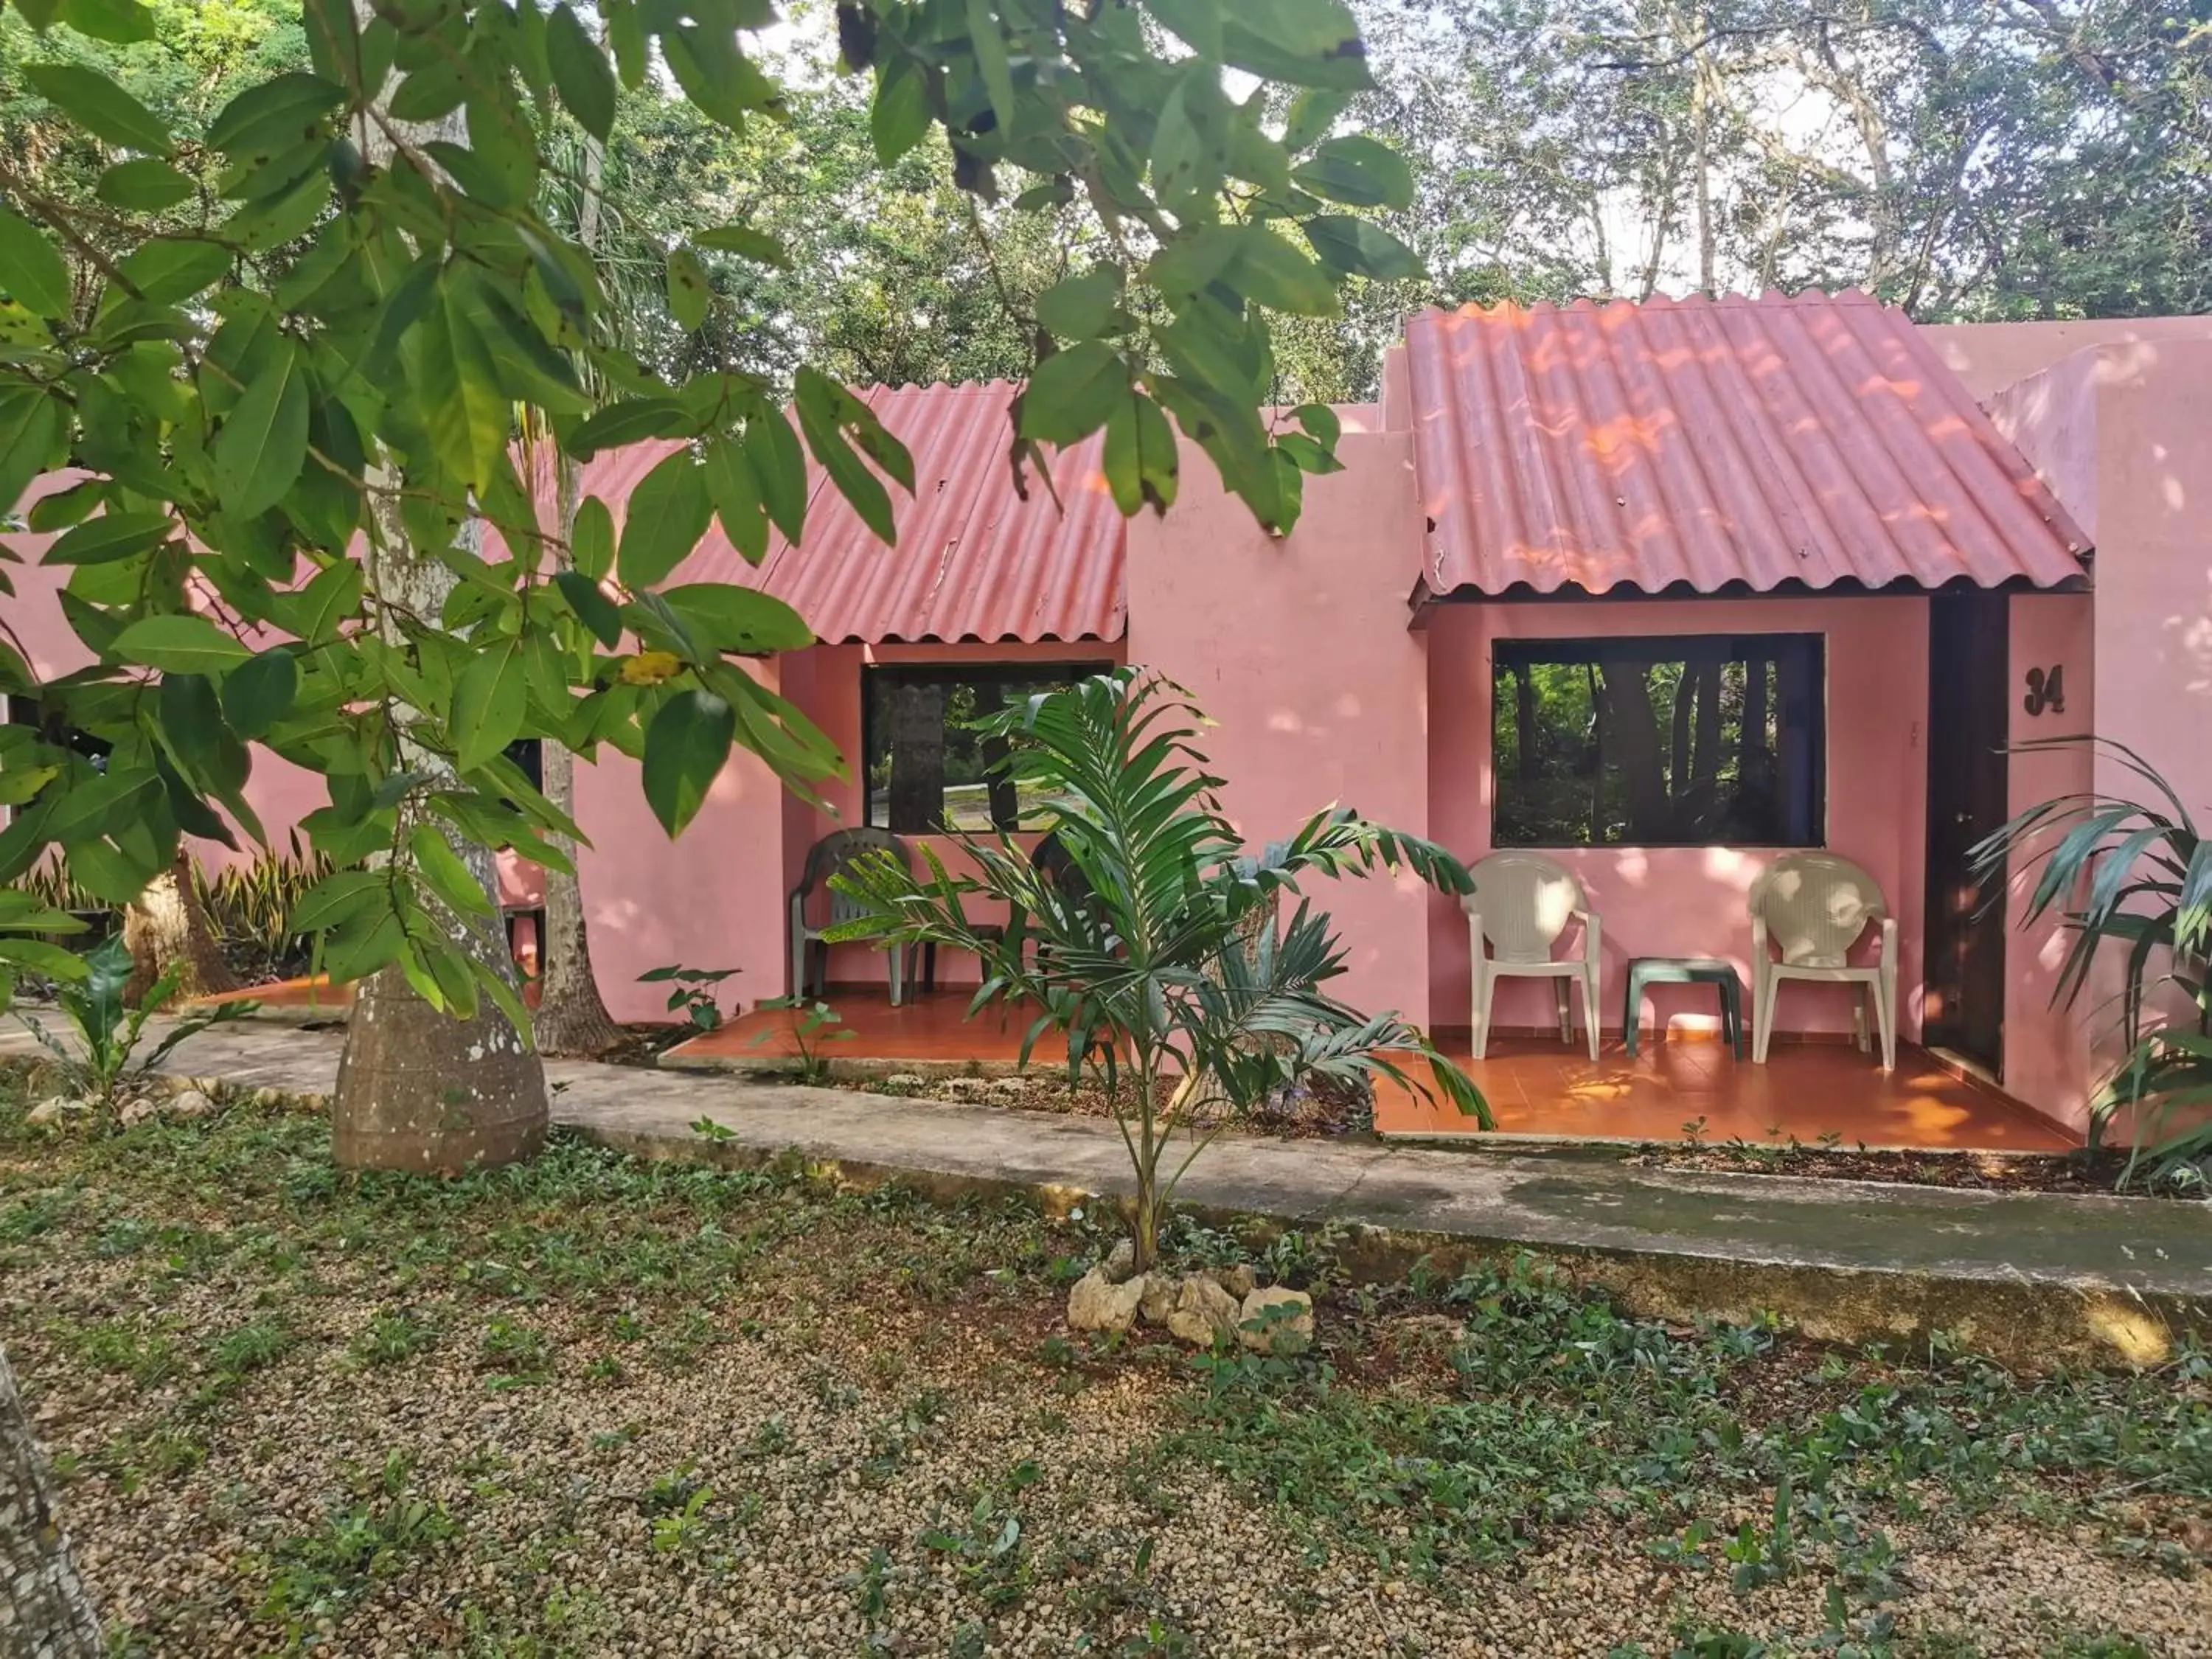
(998, 672)
(1573, 650)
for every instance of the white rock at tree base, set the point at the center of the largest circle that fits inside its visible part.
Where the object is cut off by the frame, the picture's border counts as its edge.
(192, 1102)
(54, 1109)
(1096, 1304)
(1203, 1314)
(1159, 1298)
(134, 1111)
(1238, 1281)
(1282, 1333)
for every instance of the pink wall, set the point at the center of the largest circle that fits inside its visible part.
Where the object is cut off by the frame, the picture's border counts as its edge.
(1299, 651)
(2124, 433)
(1991, 357)
(1690, 900)
(712, 898)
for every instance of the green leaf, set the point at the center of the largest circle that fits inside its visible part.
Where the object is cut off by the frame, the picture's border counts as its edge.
(145, 185)
(593, 608)
(668, 514)
(685, 748)
(1074, 393)
(591, 539)
(1359, 247)
(445, 874)
(1274, 273)
(30, 432)
(182, 644)
(32, 272)
(275, 116)
(125, 22)
(491, 698)
(1313, 113)
(1141, 462)
(460, 403)
(110, 537)
(631, 420)
(779, 469)
(825, 409)
(257, 694)
(336, 898)
(1321, 421)
(1359, 172)
(899, 119)
(746, 242)
(688, 295)
(172, 268)
(313, 613)
(261, 448)
(739, 619)
(732, 486)
(1300, 43)
(1082, 306)
(98, 105)
(581, 72)
(989, 44)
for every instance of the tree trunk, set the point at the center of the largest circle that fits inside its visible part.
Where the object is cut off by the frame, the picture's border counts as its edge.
(1706, 720)
(45, 1613)
(419, 1089)
(168, 927)
(1633, 725)
(1524, 723)
(572, 1017)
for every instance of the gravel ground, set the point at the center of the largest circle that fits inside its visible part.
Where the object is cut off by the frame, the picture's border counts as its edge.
(607, 1408)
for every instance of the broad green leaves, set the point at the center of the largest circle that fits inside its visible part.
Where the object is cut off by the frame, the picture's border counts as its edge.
(98, 105)
(31, 268)
(685, 748)
(261, 448)
(186, 644)
(1072, 393)
(668, 514)
(581, 71)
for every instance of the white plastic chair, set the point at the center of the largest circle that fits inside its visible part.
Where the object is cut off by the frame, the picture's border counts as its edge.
(1812, 907)
(1522, 902)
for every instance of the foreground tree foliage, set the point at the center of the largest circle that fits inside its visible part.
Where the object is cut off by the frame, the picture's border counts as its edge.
(1154, 942)
(273, 429)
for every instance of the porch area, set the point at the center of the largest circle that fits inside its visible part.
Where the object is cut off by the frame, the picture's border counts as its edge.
(1536, 1086)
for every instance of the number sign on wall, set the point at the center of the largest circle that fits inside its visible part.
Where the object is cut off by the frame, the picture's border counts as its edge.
(2046, 690)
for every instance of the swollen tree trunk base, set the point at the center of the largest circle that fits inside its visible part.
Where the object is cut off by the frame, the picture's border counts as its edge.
(571, 1018)
(422, 1091)
(168, 925)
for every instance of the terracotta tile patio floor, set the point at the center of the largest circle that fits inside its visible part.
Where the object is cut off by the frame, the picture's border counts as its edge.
(1534, 1085)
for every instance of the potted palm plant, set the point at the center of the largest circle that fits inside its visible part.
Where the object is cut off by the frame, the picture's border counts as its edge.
(1185, 967)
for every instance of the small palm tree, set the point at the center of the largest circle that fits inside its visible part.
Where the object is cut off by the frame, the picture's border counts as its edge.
(2136, 873)
(1160, 949)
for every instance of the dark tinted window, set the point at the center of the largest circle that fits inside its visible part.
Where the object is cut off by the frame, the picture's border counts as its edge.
(928, 767)
(1673, 740)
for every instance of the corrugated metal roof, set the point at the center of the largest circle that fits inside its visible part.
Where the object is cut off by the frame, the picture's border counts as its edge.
(974, 561)
(1816, 439)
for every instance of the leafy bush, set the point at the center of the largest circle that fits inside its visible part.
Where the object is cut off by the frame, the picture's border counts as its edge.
(105, 1055)
(2135, 873)
(1161, 951)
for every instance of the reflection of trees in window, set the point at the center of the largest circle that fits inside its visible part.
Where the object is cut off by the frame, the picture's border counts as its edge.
(1672, 740)
(928, 766)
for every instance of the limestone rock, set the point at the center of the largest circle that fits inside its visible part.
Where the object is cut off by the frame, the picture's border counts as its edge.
(192, 1103)
(1159, 1298)
(55, 1108)
(1203, 1314)
(1098, 1305)
(1010, 1085)
(905, 1080)
(1238, 1281)
(139, 1108)
(1264, 1330)
(265, 1097)
(1121, 1262)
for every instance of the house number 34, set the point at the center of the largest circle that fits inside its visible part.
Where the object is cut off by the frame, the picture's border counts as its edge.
(2046, 690)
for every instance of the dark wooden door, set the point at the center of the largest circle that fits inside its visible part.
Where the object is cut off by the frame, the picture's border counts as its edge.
(1969, 713)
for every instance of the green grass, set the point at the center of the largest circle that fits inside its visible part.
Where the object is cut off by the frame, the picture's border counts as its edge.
(1442, 1429)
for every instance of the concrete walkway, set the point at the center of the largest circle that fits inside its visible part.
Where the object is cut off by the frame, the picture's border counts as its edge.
(2033, 1278)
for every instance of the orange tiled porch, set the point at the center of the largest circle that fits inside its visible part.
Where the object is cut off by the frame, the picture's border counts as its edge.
(1534, 1085)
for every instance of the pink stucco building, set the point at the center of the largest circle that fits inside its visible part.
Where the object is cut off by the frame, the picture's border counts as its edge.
(1859, 558)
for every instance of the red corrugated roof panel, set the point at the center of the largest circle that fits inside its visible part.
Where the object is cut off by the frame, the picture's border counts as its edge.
(1816, 439)
(974, 561)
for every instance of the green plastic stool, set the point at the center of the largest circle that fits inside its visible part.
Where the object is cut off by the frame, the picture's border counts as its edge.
(1646, 971)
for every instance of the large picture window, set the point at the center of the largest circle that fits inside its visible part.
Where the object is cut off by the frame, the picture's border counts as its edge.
(928, 768)
(1668, 741)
